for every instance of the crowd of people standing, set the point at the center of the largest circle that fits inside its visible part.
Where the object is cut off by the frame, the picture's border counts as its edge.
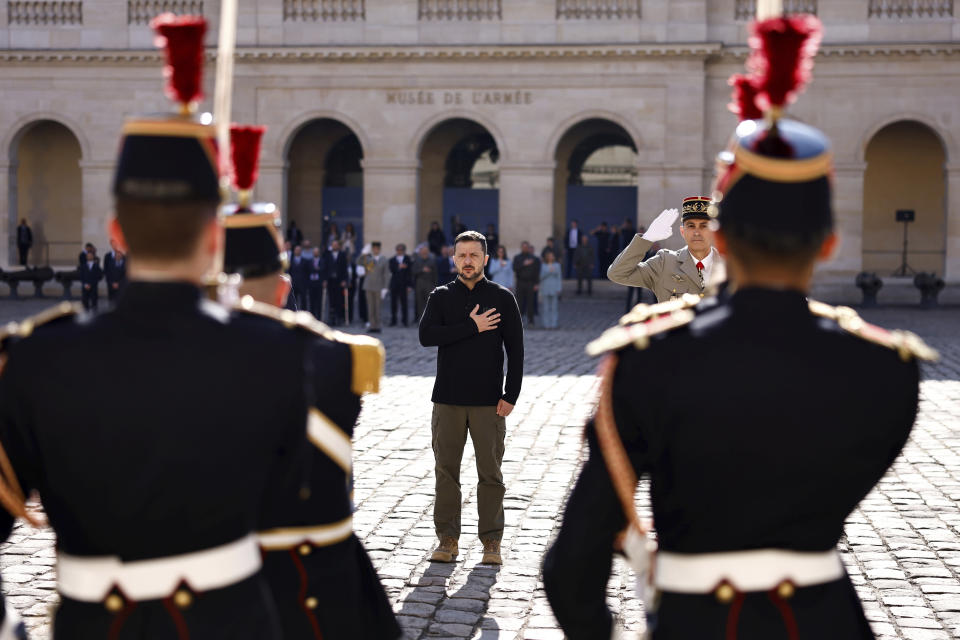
(341, 284)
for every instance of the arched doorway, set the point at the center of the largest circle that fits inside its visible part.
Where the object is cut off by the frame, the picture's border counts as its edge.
(324, 181)
(595, 183)
(46, 189)
(905, 171)
(459, 179)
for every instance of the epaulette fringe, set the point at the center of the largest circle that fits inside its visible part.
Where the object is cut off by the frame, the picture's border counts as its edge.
(906, 343)
(644, 321)
(367, 353)
(26, 326)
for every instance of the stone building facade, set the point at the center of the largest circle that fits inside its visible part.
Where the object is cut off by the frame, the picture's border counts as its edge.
(380, 111)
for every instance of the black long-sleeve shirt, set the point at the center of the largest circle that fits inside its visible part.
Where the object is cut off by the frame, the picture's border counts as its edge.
(470, 363)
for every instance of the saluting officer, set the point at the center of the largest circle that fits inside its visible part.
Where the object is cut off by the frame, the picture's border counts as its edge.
(670, 274)
(156, 502)
(322, 580)
(749, 502)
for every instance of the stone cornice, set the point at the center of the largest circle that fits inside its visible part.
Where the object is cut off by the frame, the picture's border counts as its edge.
(494, 52)
(382, 54)
(869, 50)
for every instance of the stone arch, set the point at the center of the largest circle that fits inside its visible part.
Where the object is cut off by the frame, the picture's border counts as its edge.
(22, 124)
(45, 187)
(591, 205)
(905, 170)
(448, 154)
(946, 139)
(310, 199)
(592, 114)
(290, 131)
(415, 146)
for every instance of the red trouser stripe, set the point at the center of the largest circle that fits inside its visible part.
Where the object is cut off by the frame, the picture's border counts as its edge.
(789, 621)
(733, 618)
(302, 596)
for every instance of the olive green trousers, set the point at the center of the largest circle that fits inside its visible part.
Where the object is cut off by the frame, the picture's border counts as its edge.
(451, 423)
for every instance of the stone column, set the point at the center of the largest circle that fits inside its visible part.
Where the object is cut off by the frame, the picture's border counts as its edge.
(97, 206)
(953, 224)
(848, 222)
(390, 202)
(5, 214)
(526, 204)
(270, 186)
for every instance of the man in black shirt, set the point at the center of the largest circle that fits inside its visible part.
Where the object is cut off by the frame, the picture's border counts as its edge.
(472, 321)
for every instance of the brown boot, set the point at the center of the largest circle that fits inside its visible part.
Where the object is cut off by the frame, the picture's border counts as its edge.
(447, 550)
(491, 552)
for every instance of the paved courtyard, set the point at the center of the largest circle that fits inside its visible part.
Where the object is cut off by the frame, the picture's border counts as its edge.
(902, 545)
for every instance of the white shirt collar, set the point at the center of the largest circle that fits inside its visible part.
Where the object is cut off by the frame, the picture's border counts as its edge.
(707, 262)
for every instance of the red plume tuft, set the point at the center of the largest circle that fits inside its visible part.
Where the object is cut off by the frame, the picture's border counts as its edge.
(744, 97)
(182, 38)
(782, 57)
(245, 153)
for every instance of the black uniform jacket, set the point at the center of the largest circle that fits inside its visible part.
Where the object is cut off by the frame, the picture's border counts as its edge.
(207, 416)
(791, 425)
(326, 590)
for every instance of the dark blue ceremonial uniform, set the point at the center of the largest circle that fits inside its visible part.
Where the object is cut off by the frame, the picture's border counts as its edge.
(325, 589)
(743, 463)
(196, 444)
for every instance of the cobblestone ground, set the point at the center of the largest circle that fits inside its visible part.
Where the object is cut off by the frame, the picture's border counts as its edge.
(902, 545)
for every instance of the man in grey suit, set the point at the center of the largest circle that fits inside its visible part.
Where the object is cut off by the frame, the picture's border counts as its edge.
(670, 274)
(376, 277)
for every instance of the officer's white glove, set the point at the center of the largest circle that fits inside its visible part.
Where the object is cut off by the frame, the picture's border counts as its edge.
(662, 226)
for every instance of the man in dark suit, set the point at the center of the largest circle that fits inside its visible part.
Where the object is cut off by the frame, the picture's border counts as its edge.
(115, 272)
(436, 239)
(83, 254)
(446, 269)
(337, 282)
(90, 277)
(749, 503)
(24, 241)
(401, 281)
(298, 277)
(604, 257)
(526, 269)
(316, 271)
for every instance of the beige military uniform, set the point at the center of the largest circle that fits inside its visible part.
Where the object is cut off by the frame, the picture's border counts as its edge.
(669, 274)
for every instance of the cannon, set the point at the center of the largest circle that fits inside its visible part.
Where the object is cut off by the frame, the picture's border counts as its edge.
(37, 275)
(870, 284)
(930, 287)
(67, 278)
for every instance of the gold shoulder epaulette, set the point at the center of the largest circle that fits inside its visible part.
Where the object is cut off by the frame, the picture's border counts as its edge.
(367, 353)
(369, 358)
(25, 327)
(643, 312)
(638, 333)
(906, 343)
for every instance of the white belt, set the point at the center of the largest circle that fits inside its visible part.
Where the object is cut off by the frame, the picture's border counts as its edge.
(754, 570)
(319, 536)
(90, 579)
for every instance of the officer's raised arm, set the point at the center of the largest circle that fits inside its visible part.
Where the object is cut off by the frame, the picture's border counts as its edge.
(629, 268)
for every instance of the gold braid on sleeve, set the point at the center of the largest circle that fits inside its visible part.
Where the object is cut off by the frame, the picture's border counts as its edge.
(621, 472)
